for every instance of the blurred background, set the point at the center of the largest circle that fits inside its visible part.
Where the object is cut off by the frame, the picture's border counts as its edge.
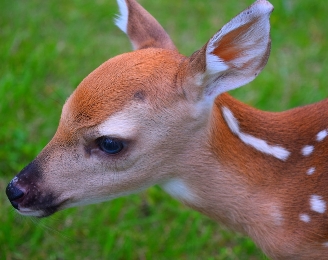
(48, 47)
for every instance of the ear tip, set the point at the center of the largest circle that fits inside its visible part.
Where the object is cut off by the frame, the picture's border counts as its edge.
(264, 5)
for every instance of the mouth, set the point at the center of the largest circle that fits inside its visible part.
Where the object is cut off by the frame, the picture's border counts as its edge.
(41, 213)
(30, 212)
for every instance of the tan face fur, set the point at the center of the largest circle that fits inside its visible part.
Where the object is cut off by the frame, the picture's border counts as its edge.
(112, 101)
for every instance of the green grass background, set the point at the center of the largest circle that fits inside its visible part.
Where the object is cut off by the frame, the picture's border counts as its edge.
(48, 47)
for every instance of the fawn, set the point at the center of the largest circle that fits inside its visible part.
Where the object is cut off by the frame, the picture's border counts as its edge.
(154, 116)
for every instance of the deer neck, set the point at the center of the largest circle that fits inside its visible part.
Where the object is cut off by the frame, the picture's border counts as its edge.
(247, 152)
(219, 177)
(244, 176)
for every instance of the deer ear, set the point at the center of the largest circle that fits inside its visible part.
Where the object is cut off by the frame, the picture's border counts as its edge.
(236, 54)
(142, 28)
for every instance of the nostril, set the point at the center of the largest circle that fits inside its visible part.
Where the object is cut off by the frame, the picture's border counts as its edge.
(13, 193)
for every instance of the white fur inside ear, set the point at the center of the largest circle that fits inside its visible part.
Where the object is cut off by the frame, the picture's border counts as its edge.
(121, 20)
(214, 64)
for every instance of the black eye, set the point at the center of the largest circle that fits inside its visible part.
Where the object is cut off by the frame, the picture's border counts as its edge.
(110, 145)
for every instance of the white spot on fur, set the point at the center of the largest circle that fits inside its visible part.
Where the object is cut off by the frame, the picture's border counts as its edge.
(322, 135)
(317, 204)
(325, 244)
(178, 189)
(305, 218)
(121, 20)
(276, 214)
(310, 171)
(259, 144)
(307, 150)
(231, 120)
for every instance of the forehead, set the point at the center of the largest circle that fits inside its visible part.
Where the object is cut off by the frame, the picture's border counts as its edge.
(144, 75)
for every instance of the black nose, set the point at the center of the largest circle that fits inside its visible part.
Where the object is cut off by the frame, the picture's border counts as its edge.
(13, 194)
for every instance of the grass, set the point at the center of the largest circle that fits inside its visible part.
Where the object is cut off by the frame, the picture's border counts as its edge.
(48, 47)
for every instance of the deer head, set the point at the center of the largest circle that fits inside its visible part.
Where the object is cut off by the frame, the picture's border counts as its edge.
(146, 117)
